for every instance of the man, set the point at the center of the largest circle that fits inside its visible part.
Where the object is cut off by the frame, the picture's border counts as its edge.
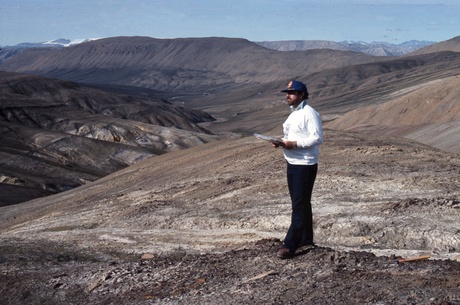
(302, 136)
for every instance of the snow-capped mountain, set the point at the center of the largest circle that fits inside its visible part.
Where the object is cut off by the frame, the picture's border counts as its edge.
(61, 42)
(10, 51)
(373, 48)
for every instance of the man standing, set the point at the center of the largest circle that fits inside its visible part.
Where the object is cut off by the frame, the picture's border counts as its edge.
(302, 136)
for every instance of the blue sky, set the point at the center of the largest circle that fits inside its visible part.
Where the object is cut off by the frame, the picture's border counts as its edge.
(256, 20)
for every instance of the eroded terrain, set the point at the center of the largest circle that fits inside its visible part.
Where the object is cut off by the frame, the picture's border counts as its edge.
(202, 226)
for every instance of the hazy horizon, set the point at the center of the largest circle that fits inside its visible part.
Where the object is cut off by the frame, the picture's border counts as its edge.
(254, 20)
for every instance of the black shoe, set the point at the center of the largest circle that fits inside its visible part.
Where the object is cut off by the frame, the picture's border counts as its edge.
(285, 253)
(308, 246)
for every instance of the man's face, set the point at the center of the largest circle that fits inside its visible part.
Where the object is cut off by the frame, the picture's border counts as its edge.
(294, 98)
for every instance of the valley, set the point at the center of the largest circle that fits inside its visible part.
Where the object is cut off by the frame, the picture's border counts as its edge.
(130, 174)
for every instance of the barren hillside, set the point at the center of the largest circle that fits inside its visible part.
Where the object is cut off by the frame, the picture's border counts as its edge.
(208, 221)
(201, 223)
(56, 135)
(448, 45)
(434, 105)
(137, 123)
(336, 92)
(196, 65)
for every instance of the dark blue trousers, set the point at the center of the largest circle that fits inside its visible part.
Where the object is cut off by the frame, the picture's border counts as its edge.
(301, 179)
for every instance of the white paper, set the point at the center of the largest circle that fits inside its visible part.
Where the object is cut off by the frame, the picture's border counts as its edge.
(268, 138)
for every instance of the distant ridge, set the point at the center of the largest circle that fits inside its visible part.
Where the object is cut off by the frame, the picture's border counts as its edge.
(60, 42)
(193, 64)
(7, 52)
(373, 48)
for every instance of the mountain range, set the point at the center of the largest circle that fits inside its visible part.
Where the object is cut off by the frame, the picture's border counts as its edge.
(372, 48)
(129, 174)
(109, 89)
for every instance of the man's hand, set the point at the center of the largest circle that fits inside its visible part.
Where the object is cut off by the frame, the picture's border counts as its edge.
(286, 144)
(290, 144)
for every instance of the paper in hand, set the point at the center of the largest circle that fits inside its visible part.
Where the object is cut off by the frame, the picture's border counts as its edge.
(268, 138)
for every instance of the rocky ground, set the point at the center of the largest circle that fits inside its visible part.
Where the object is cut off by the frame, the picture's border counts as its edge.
(203, 225)
(251, 274)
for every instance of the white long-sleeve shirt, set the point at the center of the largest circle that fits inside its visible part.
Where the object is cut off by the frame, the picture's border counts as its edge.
(305, 127)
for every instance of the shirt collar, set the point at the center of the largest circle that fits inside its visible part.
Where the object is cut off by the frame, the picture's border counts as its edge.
(300, 106)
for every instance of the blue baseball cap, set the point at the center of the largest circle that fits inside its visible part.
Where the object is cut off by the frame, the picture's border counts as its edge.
(295, 86)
